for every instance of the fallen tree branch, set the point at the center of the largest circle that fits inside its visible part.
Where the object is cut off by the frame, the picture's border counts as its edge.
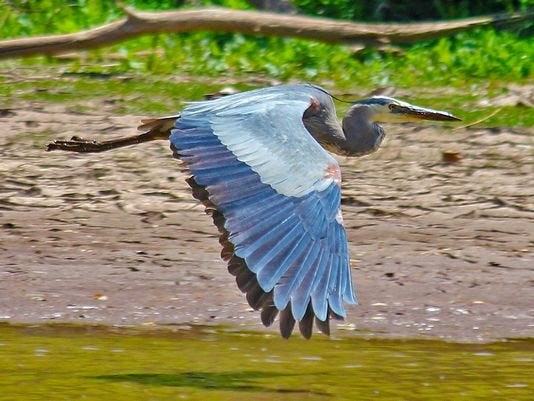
(246, 22)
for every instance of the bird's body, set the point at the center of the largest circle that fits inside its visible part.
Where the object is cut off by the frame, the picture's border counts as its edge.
(273, 191)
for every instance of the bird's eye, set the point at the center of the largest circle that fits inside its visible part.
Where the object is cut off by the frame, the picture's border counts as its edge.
(391, 106)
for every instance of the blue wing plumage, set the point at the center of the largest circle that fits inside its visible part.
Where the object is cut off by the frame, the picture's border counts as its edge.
(266, 175)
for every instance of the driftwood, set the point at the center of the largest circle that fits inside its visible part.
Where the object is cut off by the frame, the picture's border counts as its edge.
(246, 22)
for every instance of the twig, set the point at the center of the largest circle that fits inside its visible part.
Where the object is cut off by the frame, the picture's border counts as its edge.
(478, 121)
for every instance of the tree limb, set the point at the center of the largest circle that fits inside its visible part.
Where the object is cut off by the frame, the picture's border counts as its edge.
(246, 22)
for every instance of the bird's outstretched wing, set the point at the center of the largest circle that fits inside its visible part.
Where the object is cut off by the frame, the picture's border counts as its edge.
(274, 194)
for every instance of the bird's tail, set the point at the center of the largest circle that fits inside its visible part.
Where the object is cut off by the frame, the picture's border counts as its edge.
(158, 127)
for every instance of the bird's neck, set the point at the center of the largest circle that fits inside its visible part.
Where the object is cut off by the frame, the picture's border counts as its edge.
(361, 135)
(357, 136)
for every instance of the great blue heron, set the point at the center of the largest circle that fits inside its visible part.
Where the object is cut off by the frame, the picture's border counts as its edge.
(273, 191)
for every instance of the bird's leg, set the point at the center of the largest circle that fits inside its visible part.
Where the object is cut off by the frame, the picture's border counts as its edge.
(155, 129)
(81, 145)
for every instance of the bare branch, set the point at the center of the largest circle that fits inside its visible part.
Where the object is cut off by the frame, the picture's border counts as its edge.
(246, 22)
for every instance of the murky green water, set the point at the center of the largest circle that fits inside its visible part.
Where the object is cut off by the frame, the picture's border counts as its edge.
(95, 363)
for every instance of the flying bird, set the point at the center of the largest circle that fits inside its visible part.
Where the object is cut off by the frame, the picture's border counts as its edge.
(260, 164)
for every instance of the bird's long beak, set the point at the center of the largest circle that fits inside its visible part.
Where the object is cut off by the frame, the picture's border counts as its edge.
(411, 112)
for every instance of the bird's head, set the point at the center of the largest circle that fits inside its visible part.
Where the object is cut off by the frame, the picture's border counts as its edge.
(389, 110)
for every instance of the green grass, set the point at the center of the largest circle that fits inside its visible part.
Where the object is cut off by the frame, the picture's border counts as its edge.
(482, 55)
(474, 56)
(151, 94)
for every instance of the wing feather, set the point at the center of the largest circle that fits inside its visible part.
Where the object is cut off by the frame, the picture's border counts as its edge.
(277, 209)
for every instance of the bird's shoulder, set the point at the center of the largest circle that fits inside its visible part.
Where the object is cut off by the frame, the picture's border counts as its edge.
(264, 129)
(291, 98)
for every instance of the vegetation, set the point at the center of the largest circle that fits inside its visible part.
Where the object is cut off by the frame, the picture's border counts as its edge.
(381, 10)
(483, 54)
(30, 17)
(485, 60)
